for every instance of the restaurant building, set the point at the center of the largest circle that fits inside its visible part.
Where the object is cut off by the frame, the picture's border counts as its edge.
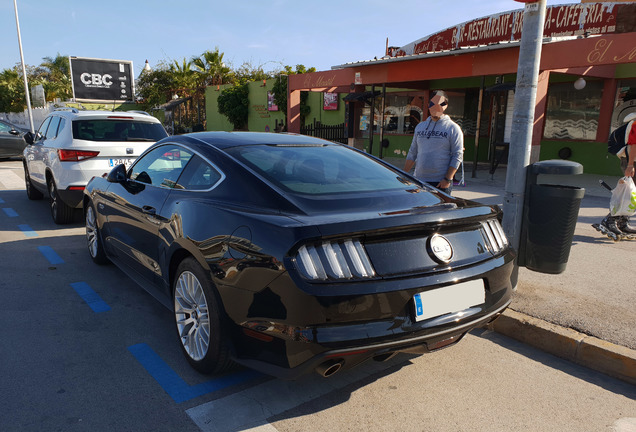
(586, 86)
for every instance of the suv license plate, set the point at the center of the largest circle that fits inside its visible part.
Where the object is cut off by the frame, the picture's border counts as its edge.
(115, 162)
(448, 299)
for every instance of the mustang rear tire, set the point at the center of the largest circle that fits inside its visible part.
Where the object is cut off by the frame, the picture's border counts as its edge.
(62, 214)
(93, 237)
(199, 319)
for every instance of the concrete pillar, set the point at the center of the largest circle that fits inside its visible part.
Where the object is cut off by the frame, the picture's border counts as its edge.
(293, 112)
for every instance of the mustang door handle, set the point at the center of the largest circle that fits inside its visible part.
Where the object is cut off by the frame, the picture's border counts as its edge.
(149, 210)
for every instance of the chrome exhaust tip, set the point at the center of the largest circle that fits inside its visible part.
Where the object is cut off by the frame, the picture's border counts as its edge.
(329, 367)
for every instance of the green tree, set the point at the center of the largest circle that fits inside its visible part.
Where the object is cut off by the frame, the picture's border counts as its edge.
(247, 72)
(210, 69)
(12, 90)
(184, 77)
(233, 103)
(54, 73)
(280, 90)
(156, 87)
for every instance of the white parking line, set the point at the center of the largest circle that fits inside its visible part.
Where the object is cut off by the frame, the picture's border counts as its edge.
(251, 407)
(11, 180)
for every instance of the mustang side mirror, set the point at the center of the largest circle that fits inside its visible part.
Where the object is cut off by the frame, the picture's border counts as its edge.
(117, 174)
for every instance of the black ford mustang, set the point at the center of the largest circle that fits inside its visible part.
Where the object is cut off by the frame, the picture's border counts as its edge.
(290, 254)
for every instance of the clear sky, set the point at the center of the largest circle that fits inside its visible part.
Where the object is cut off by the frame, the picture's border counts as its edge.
(270, 33)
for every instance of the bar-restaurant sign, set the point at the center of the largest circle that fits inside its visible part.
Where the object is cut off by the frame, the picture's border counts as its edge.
(564, 20)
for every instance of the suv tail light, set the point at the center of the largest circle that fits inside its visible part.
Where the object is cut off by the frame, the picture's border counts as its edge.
(75, 155)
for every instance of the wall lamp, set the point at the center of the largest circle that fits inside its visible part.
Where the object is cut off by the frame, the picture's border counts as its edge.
(580, 83)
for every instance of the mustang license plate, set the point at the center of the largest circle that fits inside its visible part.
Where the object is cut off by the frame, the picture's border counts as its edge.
(448, 299)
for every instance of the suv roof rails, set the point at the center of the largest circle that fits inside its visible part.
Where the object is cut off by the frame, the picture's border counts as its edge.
(140, 112)
(73, 110)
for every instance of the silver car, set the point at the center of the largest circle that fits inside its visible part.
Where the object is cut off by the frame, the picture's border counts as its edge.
(73, 146)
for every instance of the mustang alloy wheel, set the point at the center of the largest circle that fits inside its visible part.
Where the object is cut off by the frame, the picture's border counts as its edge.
(93, 238)
(191, 313)
(198, 319)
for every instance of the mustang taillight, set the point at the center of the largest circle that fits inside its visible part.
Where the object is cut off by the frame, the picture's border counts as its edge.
(334, 260)
(75, 155)
(495, 236)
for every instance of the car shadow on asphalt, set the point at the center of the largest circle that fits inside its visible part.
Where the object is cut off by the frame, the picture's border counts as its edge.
(580, 372)
(36, 214)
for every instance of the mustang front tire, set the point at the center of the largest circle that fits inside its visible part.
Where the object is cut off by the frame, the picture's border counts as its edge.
(199, 321)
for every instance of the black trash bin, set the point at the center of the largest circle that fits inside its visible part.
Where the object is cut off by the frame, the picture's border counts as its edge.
(549, 218)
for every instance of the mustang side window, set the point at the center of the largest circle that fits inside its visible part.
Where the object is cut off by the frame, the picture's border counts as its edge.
(198, 175)
(161, 167)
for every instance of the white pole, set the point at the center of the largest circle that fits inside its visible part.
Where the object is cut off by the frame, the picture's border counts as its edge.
(523, 118)
(24, 75)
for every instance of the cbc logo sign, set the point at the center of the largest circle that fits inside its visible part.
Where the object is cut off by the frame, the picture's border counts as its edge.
(96, 80)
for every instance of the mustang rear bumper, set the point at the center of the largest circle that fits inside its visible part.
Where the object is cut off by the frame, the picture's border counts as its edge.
(339, 359)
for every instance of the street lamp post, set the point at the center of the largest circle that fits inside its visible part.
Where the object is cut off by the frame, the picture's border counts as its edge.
(24, 75)
(523, 117)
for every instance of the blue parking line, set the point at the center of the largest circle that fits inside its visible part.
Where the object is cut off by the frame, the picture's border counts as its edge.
(10, 212)
(50, 255)
(27, 230)
(90, 297)
(174, 385)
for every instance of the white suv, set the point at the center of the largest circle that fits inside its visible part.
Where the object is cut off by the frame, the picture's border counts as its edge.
(73, 146)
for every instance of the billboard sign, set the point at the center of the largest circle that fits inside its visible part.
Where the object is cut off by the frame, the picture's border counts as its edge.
(101, 80)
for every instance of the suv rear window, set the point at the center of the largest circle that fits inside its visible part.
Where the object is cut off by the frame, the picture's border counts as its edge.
(117, 130)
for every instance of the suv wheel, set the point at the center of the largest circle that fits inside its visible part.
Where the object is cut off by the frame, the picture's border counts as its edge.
(62, 214)
(32, 192)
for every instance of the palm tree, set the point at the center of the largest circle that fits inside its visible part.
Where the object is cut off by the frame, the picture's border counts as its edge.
(55, 77)
(184, 77)
(210, 68)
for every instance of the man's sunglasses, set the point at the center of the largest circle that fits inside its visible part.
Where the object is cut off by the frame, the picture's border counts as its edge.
(431, 104)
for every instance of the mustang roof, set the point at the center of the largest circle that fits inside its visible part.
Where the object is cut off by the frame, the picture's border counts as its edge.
(223, 140)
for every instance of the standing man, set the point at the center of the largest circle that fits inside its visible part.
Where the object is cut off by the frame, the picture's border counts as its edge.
(437, 149)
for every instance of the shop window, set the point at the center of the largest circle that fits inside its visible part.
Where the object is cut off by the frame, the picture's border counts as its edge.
(404, 110)
(457, 109)
(571, 113)
(625, 103)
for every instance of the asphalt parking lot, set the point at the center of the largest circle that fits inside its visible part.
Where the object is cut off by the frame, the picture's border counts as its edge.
(84, 348)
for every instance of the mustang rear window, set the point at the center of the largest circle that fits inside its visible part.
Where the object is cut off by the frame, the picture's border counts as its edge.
(117, 130)
(319, 169)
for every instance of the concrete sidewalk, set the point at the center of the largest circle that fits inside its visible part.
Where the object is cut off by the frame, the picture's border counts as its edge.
(585, 314)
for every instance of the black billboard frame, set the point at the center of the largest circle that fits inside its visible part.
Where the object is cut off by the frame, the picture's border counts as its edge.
(94, 80)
